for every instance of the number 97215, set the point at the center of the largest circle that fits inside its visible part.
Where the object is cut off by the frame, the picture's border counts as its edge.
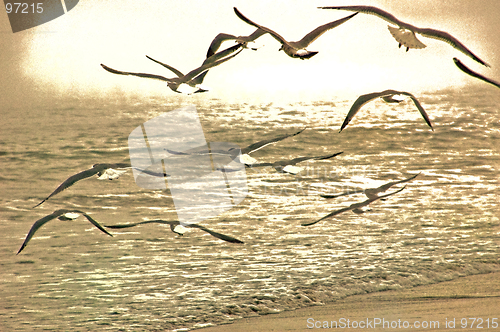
(23, 8)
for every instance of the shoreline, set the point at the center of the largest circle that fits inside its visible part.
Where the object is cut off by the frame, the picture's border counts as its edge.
(470, 302)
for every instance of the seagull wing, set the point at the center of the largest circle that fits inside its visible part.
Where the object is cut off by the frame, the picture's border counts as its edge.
(359, 103)
(446, 37)
(300, 159)
(218, 40)
(219, 57)
(72, 180)
(155, 221)
(199, 79)
(274, 34)
(313, 35)
(351, 192)
(256, 34)
(93, 221)
(466, 70)
(372, 193)
(39, 223)
(172, 69)
(259, 145)
(215, 234)
(334, 213)
(157, 77)
(372, 11)
(420, 108)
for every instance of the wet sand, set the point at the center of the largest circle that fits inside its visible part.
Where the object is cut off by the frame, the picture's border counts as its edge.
(417, 309)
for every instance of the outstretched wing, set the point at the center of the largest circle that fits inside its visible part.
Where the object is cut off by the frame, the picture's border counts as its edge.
(274, 34)
(372, 193)
(172, 69)
(350, 192)
(215, 234)
(446, 37)
(466, 70)
(155, 221)
(95, 223)
(420, 108)
(218, 40)
(313, 35)
(334, 213)
(71, 181)
(214, 60)
(363, 99)
(114, 71)
(372, 11)
(259, 145)
(300, 159)
(39, 223)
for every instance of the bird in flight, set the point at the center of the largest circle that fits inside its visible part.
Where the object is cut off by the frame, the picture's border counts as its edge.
(405, 33)
(356, 207)
(62, 214)
(244, 157)
(243, 41)
(174, 227)
(288, 166)
(191, 82)
(105, 171)
(388, 96)
(296, 49)
(372, 192)
(466, 70)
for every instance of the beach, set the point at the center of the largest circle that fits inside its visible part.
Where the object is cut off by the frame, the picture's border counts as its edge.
(468, 303)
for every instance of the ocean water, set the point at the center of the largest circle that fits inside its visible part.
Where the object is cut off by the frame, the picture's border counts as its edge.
(443, 225)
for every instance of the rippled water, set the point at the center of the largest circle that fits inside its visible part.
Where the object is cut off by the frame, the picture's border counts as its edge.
(444, 224)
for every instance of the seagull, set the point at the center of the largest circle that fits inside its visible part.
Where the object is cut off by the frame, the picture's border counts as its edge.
(372, 192)
(243, 41)
(405, 34)
(466, 70)
(104, 171)
(296, 49)
(191, 82)
(356, 207)
(388, 96)
(244, 158)
(174, 224)
(288, 166)
(62, 214)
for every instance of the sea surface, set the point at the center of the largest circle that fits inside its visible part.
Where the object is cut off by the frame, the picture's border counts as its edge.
(445, 224)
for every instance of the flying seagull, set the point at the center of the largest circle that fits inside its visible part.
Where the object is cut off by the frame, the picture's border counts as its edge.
(356, 207)
(288, 166)
(104, 171)
(244, 158)
(466, 70)
(174, 223)
(405, 34)
(388, 96)
(191, 82)
(62, 214)
(243, 41)
(296, 49)
(372, 192)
